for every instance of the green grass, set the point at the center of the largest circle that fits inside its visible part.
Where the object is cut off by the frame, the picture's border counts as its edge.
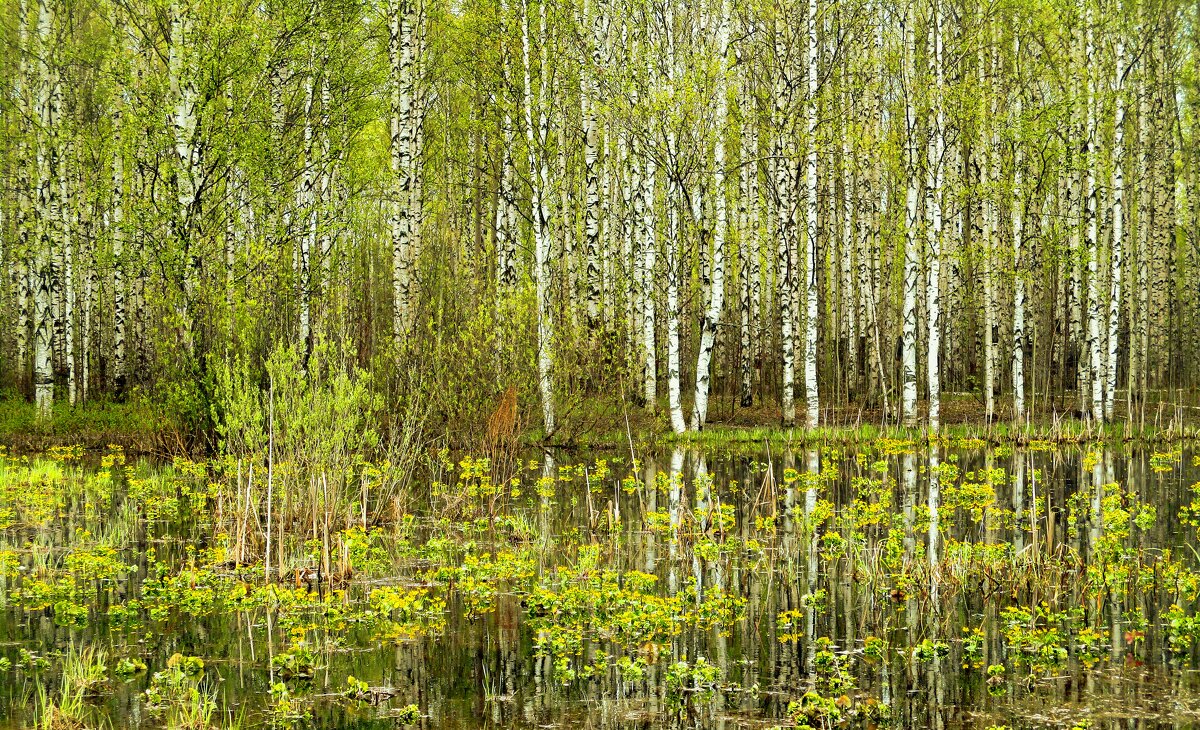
(141, 426)
(134, 424)
(1071, 431)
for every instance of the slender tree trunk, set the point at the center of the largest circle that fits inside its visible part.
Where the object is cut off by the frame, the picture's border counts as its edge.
(649, 249)
(712, 315)
(674, 399)
(86, 322)
(934, 178)
(326, 216)
(188, 162)
(1139, 340)
(784, 154)
(813, 410)
(566, 230)
(400, 53)
(748, 243)
(1075, 327)
(66, 229)
(872, 199)
(20, 255)
(673, 251)
(987, 245)
(1118, 224)
(911, 254)
(539, 175)
(505, 220)
(43, 376)
(1095, 363)
(591, 172)
(849, 293)
(306, 204)
(117, 233)
(1018, 231)
(630, 195)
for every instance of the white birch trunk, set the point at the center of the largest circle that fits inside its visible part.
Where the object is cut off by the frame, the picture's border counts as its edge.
(673, 203)
(674, 398)
(400, 53)
(506, 232)
(187, 157)
(786, 232)
(649, 248)
(505, 220)
(628, 183)
(987, 245)
(43, 376)
(85, 324)
(813, 401)
(1018, 231)
(1118, 224)
(908, 378)
(591, 172)
(748, 241)
(329, 168)
(66, 229)
(117, 234)
(1095, 362)
(712, 315)
(934, 180)
(1140, 332)
(539, 175)
(306, 203)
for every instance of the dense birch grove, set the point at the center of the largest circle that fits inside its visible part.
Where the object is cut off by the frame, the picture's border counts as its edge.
(714, 210)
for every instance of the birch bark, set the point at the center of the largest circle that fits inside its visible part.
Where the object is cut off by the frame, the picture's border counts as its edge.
(591, 137)
(400, 53)
(43, 376)
(911, 254)
(934, 179)
(712, 315)
(784, 154)
(539, 175)
(1018, 229)
(1118, 224)
(813, 402)
(1095, 362)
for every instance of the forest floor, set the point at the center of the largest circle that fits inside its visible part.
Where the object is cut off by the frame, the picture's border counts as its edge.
(139, 427)
(962, 416)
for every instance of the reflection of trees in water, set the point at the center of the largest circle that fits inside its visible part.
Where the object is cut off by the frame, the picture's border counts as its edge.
(1047, 524)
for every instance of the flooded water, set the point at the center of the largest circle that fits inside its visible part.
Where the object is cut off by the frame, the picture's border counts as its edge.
(948, 587)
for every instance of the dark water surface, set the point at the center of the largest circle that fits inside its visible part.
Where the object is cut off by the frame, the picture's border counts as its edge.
(963, 587)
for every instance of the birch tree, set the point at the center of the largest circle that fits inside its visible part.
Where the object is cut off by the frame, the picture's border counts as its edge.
(592, 34)
(1018, 230)
(813, 410)
(1116, 260)
(911, 254)
(785, 206)
(1091, 222)
(401, 56)
(537, 140)
(933, 199)
(45, 106)
(716, 302)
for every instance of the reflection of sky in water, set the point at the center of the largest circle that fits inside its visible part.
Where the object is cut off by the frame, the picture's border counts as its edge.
(1046, 525)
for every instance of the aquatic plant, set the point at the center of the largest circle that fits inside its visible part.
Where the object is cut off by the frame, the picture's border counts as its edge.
(177, 694)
